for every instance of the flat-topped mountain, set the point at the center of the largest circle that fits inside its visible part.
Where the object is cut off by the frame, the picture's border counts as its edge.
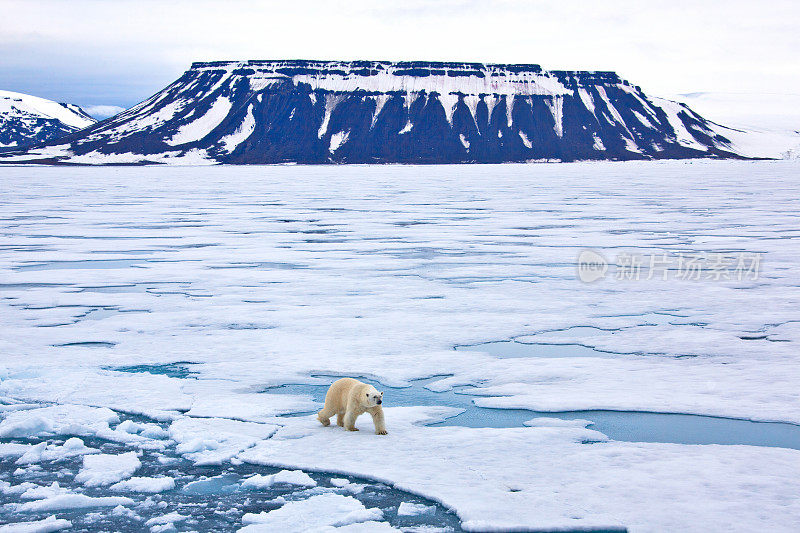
(250, 112)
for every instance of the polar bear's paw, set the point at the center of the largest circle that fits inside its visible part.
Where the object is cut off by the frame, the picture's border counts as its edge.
(382, 432)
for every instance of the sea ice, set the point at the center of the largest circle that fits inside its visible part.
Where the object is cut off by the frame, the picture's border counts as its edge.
(290, 477)
(106, 469)
(45, 525)
(144, 484)
(38, 492)
(312, 514)
(215, 440)
(414, 509)
(71, 501)
(349, 486)
(264, 276)
(169, 518)
(44, 452)
(57, 419)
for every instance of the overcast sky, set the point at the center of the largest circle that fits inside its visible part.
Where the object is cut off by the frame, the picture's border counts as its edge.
(104, 52)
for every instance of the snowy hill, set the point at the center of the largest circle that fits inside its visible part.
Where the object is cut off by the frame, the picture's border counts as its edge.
(768, 124)
(26, 119)
(380, 112)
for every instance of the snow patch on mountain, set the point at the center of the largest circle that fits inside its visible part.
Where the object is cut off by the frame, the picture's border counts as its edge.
(202, 126)
(230, 142)
(673, 111)
(338, 139)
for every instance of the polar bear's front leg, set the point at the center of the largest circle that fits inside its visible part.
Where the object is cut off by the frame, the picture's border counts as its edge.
(377, 419)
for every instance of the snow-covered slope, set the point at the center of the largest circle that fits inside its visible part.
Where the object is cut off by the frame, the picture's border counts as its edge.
(26, 119)
(764, 125)
(407, 112)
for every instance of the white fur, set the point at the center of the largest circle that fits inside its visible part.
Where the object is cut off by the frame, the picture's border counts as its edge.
(348, 399)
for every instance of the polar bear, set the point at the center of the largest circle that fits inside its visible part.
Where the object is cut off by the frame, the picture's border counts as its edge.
(348, 398)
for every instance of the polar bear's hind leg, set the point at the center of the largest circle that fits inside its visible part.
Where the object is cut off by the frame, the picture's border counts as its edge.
(350, 421)
(324, 416)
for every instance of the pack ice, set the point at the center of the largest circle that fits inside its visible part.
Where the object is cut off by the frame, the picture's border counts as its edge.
(165, 330)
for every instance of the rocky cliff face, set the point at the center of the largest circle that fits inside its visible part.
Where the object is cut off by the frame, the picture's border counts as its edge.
(381, 112)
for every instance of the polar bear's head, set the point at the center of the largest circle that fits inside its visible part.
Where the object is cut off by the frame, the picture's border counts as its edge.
(373, 397)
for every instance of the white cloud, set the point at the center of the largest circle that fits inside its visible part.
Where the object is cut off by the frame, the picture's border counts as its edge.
(667, 47)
